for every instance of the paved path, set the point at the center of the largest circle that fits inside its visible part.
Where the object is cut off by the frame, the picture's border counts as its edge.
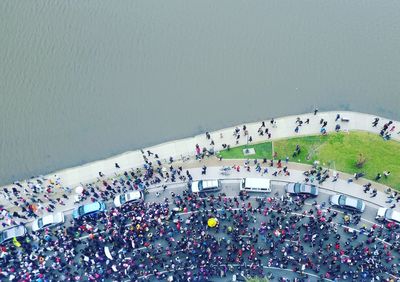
(180, 149)
(186, 147)
(353, 189)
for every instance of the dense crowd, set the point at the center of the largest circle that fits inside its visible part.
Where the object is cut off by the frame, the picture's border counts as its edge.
(170, 239)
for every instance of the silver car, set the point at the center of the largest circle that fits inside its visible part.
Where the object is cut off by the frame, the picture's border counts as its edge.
(48, 221)
(134, 196)
(302, 189)
(346, 202)
(9, 233)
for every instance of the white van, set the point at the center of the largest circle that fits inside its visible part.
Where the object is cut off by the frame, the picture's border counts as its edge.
(256, 185)
(204, 186)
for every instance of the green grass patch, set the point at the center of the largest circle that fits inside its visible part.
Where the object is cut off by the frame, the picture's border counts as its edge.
(263, 150)
(338, 151)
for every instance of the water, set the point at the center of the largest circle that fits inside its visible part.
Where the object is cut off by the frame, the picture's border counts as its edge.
(84, 80)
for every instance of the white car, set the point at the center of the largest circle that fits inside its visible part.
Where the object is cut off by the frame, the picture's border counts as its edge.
(48, 221)
(204, 186)
(388, 214)
(134, 196)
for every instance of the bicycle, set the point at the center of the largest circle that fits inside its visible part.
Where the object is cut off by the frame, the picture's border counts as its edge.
(225, 168)
(225, 173)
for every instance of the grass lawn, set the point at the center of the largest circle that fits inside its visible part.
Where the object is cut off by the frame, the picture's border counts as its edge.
(263, 150)
(340, 151)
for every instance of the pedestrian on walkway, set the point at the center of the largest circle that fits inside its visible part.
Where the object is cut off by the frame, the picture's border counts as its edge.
(375, 122)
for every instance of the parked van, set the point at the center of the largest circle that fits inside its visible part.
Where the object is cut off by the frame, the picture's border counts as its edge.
(204, 186)
(256, 185)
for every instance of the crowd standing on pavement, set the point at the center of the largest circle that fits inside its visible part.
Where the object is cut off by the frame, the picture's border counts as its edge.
(170, 239)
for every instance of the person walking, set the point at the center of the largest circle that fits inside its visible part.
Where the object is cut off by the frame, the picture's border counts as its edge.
(375, 122)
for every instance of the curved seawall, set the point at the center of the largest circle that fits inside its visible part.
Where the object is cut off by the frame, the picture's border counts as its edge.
(183, 148)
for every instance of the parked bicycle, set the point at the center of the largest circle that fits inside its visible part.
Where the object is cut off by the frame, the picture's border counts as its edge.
(225, 173)
(225, 168)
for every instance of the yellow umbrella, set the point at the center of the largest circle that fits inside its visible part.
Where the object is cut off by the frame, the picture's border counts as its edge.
(16, 243)
(212, 222)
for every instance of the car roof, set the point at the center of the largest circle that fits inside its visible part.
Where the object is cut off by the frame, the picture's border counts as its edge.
(352, 202)
(91, 207)
(15, 231)
(48, 219)
(51, 218)
(134, 195)
(305, 188)
(210, 183)
(198, 186)
(257, 182)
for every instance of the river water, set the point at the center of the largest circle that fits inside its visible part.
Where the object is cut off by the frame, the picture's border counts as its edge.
(84, 80)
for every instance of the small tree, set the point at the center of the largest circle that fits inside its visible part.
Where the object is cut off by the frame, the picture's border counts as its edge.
(361, 160)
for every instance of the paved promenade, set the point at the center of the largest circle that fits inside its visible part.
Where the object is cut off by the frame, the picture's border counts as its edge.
(160, 236)
(185, 148)
(182, 148)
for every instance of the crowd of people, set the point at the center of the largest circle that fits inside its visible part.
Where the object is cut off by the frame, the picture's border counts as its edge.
(169, 239)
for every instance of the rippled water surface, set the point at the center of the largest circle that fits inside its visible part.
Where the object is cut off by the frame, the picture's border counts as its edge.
(83, 80)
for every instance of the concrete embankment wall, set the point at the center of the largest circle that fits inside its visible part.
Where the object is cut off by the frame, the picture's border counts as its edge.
(186, 147)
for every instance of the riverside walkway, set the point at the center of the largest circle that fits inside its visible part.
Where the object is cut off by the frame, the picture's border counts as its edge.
(165, 238)
(170, 192)
(184, 149)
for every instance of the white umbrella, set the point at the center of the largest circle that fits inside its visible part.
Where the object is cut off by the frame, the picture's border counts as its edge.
(79, 190)
(107, 252)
